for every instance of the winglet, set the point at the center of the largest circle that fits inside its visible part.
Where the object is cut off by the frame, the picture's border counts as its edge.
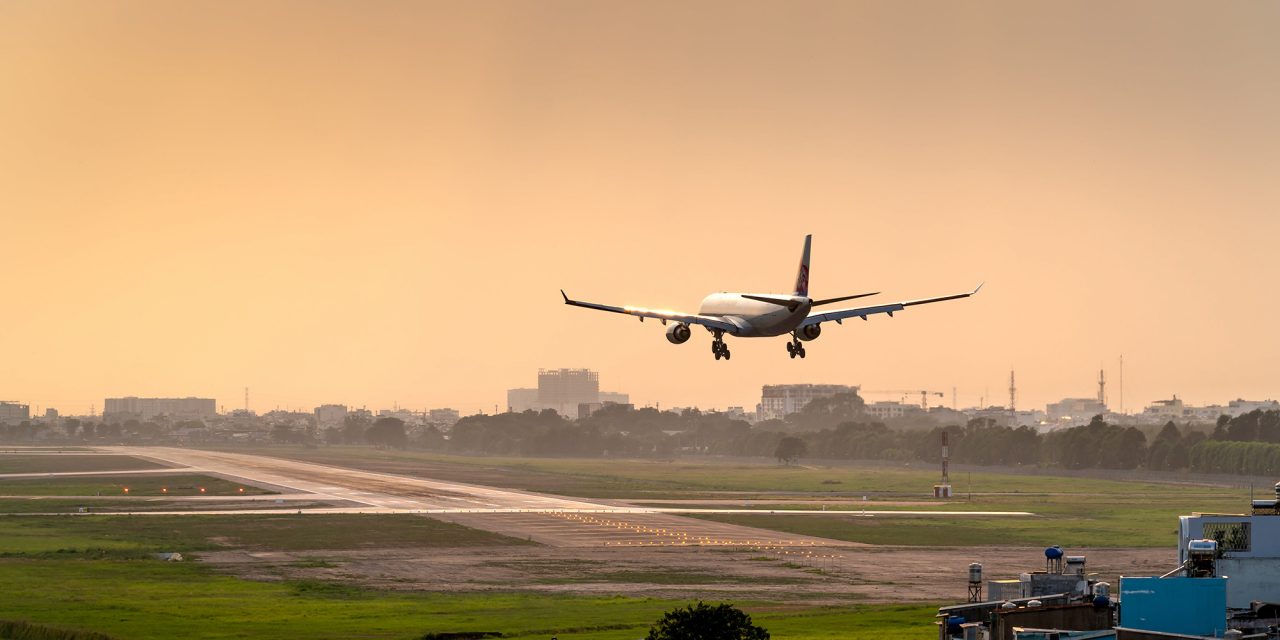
(975, 291)
(566, 296)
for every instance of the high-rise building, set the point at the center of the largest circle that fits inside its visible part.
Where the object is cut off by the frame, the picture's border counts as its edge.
(148, 408)
(14, 413)
(564, 389)
(778, 401)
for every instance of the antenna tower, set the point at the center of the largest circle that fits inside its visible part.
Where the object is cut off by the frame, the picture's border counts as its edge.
(1013, 394)
(246, 399)
(1122, 383)
(1102, 387)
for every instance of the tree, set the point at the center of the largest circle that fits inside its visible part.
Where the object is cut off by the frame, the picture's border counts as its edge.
(353, 427)
(705, 622)
(789, 450)
(387, 432)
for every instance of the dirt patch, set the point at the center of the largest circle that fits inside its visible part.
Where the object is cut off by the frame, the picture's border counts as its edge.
(824, 576)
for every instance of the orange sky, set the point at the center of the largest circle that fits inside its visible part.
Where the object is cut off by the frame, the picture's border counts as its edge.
(376, 202)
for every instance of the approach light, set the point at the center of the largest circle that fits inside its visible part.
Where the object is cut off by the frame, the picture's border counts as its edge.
(241, 489)
(126, 489)
(164, 489)
(201, 489)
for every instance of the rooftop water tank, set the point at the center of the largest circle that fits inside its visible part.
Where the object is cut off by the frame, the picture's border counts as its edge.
(1055, 552)
(1202, 547)
(975, 573)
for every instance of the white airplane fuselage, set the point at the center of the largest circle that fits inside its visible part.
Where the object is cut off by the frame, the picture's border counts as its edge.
(754, 318)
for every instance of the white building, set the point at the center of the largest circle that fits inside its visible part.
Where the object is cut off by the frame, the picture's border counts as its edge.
(778, 401)
(1240, 407)
(1249, 547)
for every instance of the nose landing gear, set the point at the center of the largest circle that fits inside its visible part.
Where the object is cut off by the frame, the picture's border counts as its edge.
(795, 348)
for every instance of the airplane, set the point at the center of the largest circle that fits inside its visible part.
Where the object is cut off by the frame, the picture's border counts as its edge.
(757, 315)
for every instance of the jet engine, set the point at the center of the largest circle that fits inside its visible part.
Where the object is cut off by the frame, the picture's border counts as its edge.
(810, 332)
(678, 333)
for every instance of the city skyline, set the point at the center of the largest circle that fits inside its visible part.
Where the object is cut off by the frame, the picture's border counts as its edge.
(328, 203)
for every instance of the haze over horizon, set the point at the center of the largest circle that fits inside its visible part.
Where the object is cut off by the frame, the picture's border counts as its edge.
(377, 203)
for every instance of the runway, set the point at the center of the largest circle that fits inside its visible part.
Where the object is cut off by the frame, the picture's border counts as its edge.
(550, 519)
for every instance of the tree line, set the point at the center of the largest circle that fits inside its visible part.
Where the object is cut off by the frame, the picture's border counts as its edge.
(833, 428)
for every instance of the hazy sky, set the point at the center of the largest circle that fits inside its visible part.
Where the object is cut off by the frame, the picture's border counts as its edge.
(377, 202)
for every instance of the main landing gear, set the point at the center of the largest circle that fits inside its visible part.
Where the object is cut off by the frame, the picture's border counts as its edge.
(795, 348)
(719, 348)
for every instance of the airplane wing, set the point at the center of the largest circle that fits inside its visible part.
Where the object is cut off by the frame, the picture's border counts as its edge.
(661, 314)
(863, 312)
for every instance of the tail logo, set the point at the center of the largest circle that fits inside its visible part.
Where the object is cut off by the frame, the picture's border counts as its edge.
(802, 280)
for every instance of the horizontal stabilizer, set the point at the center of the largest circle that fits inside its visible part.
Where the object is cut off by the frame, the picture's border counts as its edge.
(818, 303)
(790, 304)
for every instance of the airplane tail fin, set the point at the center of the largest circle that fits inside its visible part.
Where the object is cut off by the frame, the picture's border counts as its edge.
(802, 276)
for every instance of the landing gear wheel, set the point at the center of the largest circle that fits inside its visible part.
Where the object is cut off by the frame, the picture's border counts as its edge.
(726, 354)
(800, 352)
(791, 352)
(717, 354)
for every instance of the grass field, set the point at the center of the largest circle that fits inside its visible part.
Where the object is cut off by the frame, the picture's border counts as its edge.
(95, 573)
(140, 485)
(64, 462)
(94, 534)
(1084, 512)
(149, 599)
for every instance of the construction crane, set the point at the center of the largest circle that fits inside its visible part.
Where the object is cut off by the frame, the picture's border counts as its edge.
(924, 395)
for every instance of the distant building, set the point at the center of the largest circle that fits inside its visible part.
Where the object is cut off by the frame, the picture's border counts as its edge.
(521, 400)
(1164, 410)
(890, 409)
(148, 408)
(613, 397)
(1240, 407)
(1074, 411)
(445, 417)
(778, 401)
(14, 413)
(331, 415)
(563, 390)
(404, 415)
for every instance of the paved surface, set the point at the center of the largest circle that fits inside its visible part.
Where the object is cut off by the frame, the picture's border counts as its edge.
(557, 521)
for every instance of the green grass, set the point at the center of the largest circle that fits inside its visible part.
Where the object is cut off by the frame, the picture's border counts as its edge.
(656, 479)
(64, 462)
(141, 485)
(134, 505)
(146, 599)
(144, 534)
